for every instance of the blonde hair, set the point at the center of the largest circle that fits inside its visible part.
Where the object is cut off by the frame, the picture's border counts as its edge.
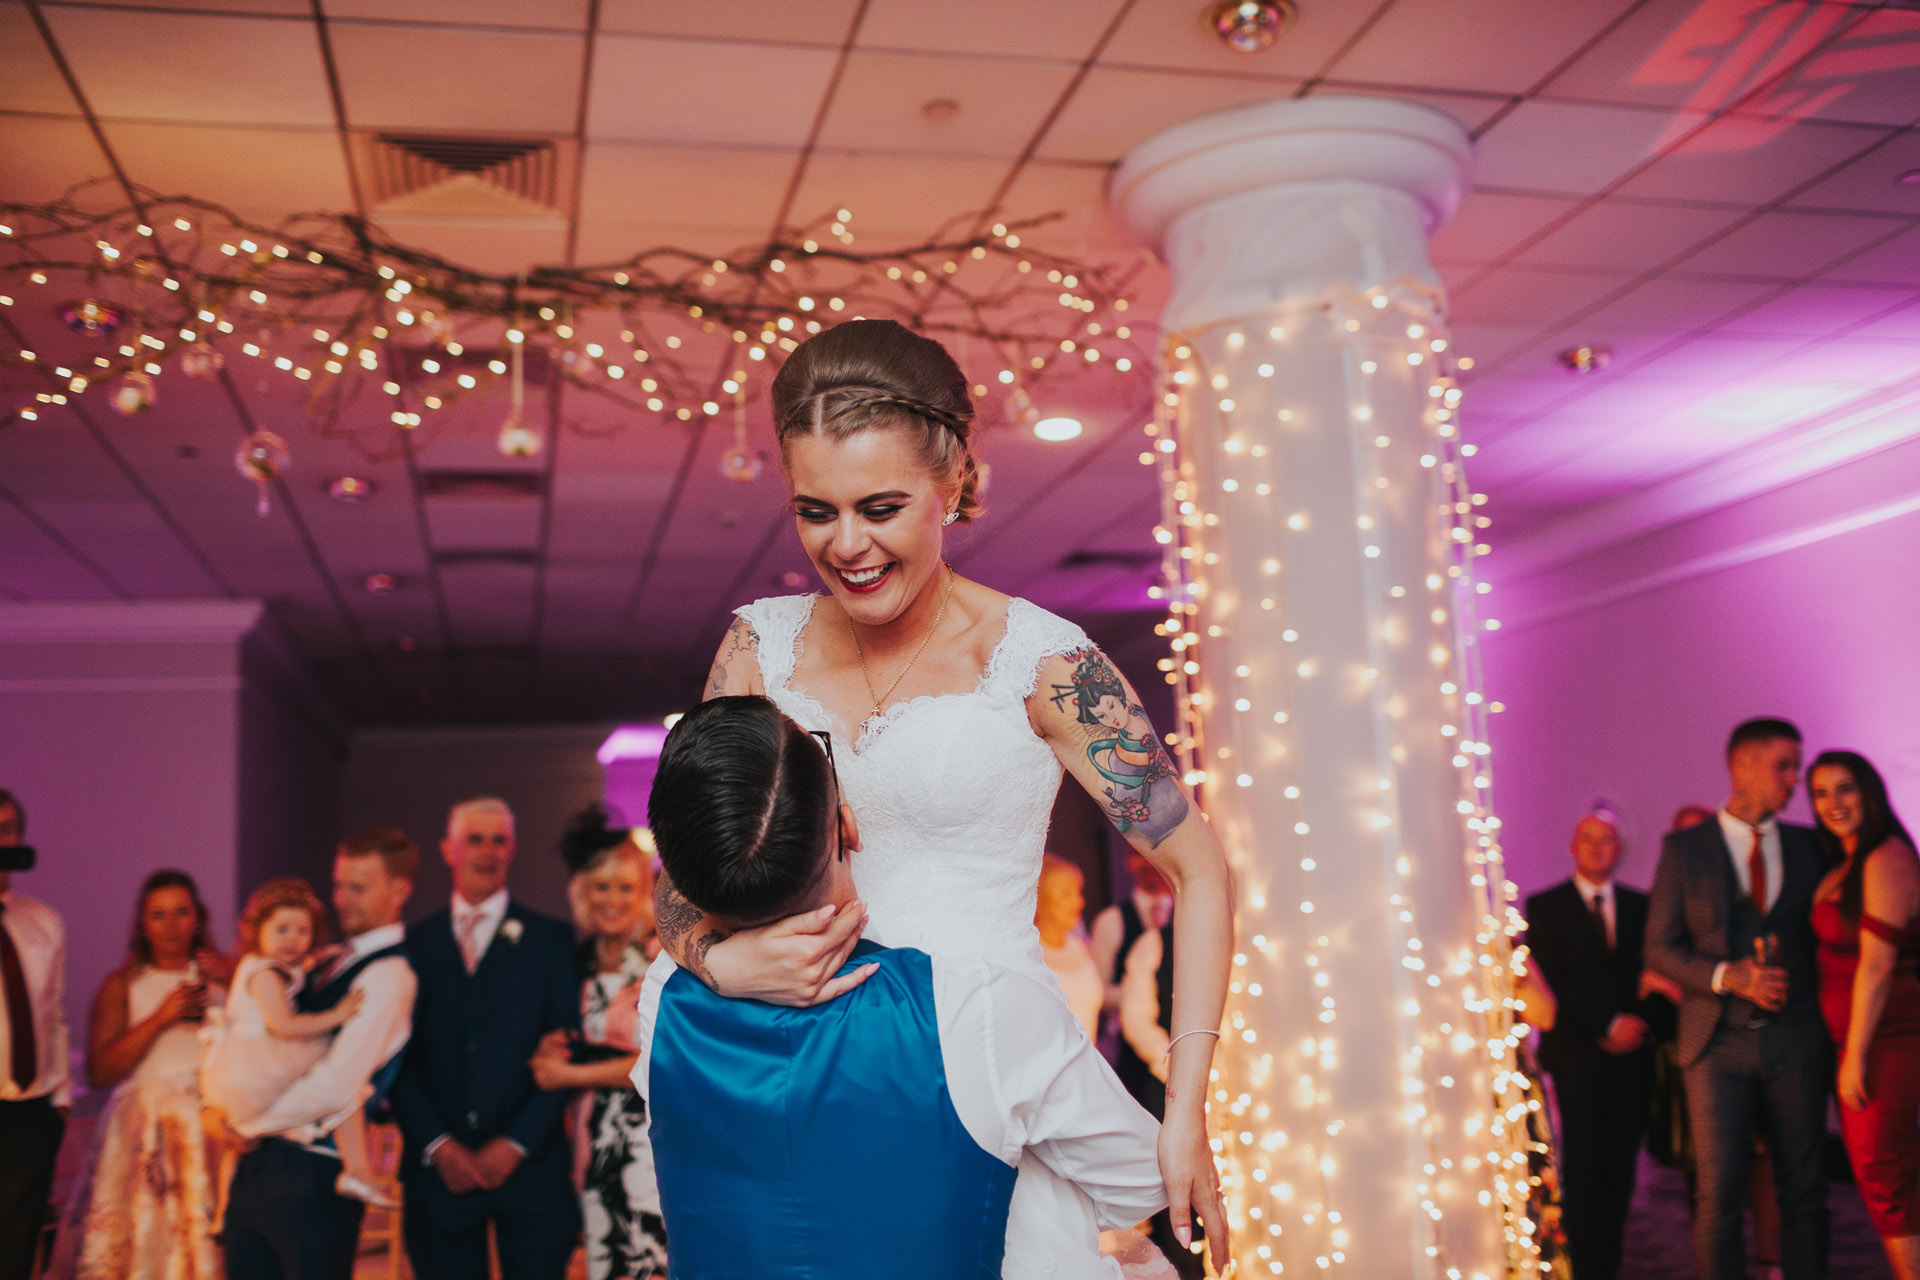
(639, 847)
(276, 894)
(875, 373)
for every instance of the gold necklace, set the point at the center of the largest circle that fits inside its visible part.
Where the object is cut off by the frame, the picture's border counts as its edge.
(879, 699)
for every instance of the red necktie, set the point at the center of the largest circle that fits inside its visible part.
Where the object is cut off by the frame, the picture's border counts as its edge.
(1757, 874)
(1600, 919)
(13, 979)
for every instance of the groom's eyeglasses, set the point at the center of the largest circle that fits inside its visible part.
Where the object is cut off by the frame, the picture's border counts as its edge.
(833, 771)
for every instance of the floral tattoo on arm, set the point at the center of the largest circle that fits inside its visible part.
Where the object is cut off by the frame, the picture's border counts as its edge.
(1141, 792)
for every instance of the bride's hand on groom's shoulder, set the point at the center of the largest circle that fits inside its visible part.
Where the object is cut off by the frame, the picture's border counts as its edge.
(1193, 1184)
(794, 961)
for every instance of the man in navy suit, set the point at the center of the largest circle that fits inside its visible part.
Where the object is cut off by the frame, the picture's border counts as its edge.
(1586, 934)
(484, 1143)
(1730, 921)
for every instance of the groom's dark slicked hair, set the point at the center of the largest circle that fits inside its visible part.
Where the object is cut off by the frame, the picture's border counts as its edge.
(739, 809)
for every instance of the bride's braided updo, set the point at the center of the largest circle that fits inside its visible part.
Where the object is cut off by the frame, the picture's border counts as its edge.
(874, 373)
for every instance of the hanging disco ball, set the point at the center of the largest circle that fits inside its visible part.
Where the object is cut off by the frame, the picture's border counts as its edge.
(1248, 26)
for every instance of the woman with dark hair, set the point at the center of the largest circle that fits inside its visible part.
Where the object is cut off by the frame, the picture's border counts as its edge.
(612, 895)
(954, 709)
(1867, 915)
(145, 1207)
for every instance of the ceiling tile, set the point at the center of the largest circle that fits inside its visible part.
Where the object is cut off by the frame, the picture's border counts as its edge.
(1874, 182)
(221, 69)
(627, 185)
(797, 22)
(1815, 311)
(1176, 36)
(40, 158)
(1529, 147)
(877, 105)
(1444, 43)
(1672, 307)
(1489, 224)
(648, 89)
(258, 173)
(29, 78)
(1742, 159)
(895, 197)
(1708, 56)
(460, 81)
(1077, 191)
(1867, 74)
(1627, 235)
(1790, 245)
(988, 26)
(1115, 108)
(281, 8)
(549, 15)
(1895, 262)
(1472, 110)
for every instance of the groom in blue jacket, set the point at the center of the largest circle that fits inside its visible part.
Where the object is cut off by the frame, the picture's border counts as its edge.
(876, 1135)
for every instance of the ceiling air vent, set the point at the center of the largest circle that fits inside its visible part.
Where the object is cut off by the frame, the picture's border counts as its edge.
(449, 176)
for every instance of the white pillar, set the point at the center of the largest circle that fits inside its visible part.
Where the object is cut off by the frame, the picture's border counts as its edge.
(1320, 534)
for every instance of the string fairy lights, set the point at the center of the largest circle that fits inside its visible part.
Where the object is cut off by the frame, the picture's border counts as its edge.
(379, 338)
(1319, 542)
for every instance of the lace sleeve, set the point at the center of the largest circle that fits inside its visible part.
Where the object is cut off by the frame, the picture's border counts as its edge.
(777, 621)
(1033, 636)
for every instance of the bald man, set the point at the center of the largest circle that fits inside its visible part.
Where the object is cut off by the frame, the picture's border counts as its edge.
(1586, 934)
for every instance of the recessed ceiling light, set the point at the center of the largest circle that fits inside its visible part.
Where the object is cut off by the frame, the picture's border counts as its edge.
(381, 584)
(405, 644)
(1248, 26)
(1057, 430)
(1589, 357)
(350, 489)
(940, 108)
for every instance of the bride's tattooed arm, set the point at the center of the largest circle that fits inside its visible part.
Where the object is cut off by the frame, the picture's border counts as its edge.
(679, 924)
(1084, 701)
(736, 668)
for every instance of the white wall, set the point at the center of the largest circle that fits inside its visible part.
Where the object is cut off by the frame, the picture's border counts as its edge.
(1624, 666)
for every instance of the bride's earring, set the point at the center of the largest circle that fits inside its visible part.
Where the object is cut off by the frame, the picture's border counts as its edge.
(951, 517)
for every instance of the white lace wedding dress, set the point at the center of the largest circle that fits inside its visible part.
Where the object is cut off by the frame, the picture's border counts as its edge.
(953, 793)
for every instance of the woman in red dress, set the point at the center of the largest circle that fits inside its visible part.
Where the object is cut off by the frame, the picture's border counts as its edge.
(1865, 915)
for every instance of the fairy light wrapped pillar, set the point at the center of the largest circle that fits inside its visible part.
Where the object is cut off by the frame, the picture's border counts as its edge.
(1320, 541)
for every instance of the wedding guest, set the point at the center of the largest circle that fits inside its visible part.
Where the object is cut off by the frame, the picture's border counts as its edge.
(1729, 920)
(1115, 930)
(1867, 913)
(145, 1207)
(1585, 935)
(612, 895)
(1062, 899)
(286, 1218)
(483, 1142)
(34, 1091)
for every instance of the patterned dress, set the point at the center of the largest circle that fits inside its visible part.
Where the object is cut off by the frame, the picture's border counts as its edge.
(144, 1208)
(626, 1237)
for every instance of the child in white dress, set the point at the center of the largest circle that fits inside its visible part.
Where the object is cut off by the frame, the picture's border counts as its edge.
(264, 1045)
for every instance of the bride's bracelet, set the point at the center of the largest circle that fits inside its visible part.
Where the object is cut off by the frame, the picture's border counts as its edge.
(1197, 1031)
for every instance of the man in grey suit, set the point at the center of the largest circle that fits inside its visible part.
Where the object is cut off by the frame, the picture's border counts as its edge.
(1729, 920)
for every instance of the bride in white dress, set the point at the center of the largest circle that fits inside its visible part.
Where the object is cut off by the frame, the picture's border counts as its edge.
(959, 707)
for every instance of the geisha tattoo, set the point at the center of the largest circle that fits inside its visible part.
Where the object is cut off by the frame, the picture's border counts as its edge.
(1141, 788)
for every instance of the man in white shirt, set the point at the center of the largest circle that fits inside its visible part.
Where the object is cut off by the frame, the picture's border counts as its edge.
(284, 1219)
(1729, 919)
(34, 1089)
(875, 1135)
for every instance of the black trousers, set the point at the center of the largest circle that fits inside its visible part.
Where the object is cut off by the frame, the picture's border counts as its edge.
(535, 1217)
(30, 1132)
(1603, 1119)
(284, 1219)
(1780, 1074)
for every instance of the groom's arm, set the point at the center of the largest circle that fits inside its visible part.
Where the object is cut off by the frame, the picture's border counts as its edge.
(538, 1119)
(364, 1043)
(1024, 1077)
